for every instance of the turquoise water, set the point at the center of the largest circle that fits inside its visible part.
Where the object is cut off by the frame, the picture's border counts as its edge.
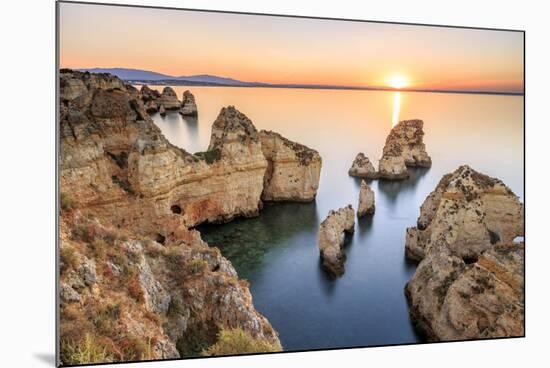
(277, 251)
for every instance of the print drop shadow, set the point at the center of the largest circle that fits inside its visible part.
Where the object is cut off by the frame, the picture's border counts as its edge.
(392, 189)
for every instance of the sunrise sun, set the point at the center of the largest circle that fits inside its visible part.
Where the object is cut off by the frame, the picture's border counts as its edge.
(398, 81)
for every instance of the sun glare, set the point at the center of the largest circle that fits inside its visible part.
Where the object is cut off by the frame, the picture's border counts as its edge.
(398, 81)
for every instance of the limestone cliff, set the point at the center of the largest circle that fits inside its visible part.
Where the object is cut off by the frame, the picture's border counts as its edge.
(467, 212)
(293, 169)
(469, 283)
(136, 299)
(404, 148)
(133, 275)
(149, 97)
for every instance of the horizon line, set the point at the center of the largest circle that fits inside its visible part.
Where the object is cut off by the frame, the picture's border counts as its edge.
(247, 84)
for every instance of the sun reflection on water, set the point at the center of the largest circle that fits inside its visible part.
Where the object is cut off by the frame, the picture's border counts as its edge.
(396, 108)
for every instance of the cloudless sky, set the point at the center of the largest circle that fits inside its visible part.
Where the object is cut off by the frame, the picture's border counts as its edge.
(289, 50)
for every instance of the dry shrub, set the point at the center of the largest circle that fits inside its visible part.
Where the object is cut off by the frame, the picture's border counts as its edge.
(135, 290)
(99, 248)
(196, 266)
(66, 201)
(136, 348)
(86, 351)
(236, 341)
(68, 258)
(106, 318)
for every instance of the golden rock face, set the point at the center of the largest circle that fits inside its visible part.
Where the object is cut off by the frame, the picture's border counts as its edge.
(469, 282)
(129, 199)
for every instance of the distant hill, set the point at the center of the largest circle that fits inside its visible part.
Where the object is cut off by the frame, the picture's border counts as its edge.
(146, 75)
(150, 77)
(129, 74)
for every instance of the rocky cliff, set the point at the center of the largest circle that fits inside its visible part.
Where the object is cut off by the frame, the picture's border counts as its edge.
(404, 148)
(469, 283)
(331, 238)
(135, 279)
(293, 169)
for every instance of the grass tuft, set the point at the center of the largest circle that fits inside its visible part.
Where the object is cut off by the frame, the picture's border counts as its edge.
(89, 350)
(236, 341)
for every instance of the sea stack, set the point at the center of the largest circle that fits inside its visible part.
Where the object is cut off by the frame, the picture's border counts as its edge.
(362, 167)
(169, 99)
(366, 200)
(188, 105)
(469, 283)
(331, 239)
(293, 169)
(162, 110)
(404, 148)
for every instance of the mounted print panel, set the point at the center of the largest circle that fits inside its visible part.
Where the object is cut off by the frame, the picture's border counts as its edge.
(235, 183)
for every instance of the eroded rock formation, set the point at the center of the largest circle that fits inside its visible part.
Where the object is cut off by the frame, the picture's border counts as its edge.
(130, 265)
(467, 212)
(366, 200)
(331, 238)
(362, 167)
(149, 97)
(404, 148)
(469, 283)
(188, 105)
(169, 99)
(293, 169)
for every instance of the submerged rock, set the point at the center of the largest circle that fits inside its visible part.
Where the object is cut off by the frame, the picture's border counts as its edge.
(469, 283)
(404, 148)
(293, 169)
(366, 200)
(362, 167)
(169, 99)
(188, 105)
(331, 238)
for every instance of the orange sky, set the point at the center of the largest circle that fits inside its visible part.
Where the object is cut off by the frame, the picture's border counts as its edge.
(289, 50)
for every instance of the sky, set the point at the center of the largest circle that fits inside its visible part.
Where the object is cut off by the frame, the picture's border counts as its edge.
(273, 49)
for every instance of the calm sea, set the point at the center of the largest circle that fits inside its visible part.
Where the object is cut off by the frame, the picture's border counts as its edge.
(277, 251)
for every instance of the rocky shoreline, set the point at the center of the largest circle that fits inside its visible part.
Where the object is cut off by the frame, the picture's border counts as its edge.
(129, 201)
(138, 279)
(469, 283)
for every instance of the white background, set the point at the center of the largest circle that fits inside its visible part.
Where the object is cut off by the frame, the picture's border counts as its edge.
(27, 211)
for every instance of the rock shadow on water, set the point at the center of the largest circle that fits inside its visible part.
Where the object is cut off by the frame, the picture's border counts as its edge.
(328, 281)
(392, 189)
(247, 241)
(192, 124)
(365, 224)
